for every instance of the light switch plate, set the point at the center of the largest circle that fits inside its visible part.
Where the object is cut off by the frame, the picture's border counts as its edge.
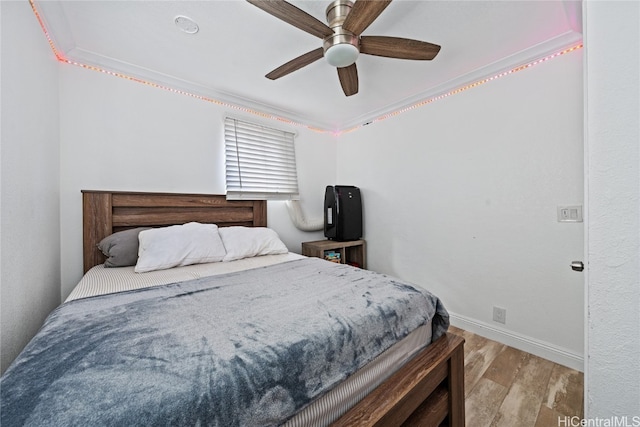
(570, 213)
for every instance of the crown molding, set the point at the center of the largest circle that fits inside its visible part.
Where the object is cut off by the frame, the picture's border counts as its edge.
(64, 43)
(542, 50)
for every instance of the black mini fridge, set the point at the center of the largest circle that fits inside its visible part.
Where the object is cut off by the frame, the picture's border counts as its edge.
(342, 213)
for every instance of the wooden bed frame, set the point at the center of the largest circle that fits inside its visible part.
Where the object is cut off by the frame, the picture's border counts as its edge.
(105, 212)
(426, 391)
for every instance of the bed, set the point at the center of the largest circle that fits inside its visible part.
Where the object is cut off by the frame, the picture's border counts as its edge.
(427, 389)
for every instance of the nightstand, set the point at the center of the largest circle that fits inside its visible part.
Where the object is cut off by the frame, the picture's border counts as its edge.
(352, 252)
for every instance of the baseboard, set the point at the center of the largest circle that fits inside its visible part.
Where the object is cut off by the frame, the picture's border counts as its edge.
(542, 349)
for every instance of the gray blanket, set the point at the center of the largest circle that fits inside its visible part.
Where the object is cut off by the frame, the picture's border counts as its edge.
(243, 349)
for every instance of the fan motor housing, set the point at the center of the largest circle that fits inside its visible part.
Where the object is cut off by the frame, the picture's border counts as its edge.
(336, 12)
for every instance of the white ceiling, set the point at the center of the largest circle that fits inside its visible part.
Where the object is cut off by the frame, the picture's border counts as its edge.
(237, 44)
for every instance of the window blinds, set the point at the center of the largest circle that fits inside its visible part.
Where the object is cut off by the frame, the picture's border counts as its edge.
(260, 162)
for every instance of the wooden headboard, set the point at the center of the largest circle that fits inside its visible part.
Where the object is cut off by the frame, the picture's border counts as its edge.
(106, 212)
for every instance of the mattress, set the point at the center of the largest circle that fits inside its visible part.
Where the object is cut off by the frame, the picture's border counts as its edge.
(322, 411)
(100, 280)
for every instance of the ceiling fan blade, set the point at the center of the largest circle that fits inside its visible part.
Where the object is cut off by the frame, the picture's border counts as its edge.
(396, 47)
(294, 16)
(362, 14)
(296, 64)
(349, 79)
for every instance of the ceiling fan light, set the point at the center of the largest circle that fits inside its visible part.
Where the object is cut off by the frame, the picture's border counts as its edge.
(341, 55)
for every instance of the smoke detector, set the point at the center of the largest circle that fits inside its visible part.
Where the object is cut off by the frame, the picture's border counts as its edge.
(186, 24)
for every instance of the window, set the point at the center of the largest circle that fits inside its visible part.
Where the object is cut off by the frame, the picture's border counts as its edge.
(260, 162)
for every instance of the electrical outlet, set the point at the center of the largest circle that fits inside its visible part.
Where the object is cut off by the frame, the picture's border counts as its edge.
(570, 213)
(500, 315)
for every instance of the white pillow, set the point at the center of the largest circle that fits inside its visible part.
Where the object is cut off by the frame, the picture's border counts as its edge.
(245, 242)
(178, 245)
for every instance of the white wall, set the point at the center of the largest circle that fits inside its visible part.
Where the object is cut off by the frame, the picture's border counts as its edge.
(612, 374)
(460, 197)
(121, 135)
(30, 236)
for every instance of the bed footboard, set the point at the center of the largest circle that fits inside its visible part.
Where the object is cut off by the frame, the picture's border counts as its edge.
(427, 391)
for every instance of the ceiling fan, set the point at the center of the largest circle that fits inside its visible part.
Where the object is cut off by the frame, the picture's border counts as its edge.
(342, 39)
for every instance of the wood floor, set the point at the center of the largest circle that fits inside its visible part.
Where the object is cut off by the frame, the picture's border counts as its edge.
(511, 388)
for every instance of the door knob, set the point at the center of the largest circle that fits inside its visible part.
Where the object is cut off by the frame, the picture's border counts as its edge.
(577, 265)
